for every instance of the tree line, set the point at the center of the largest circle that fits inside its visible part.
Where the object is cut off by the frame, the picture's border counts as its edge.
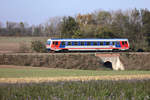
(133, 24)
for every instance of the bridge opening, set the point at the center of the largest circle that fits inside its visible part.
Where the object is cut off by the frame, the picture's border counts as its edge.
(108, 64)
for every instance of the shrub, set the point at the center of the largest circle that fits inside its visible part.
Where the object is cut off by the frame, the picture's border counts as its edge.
(140, 50)
(38, 46)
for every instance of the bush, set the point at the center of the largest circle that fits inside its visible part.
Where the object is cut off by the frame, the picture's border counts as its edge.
(38, 46)
(140, 50)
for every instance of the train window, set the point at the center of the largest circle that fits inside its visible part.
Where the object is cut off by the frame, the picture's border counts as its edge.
(75, 43)
(88, 43)
(126, 42)
(63, 43)
(113, 43)
(81, 43)
(94, 43)
(101, 43)
(123, 43)
(118, 43)
(69, 43)
(55, 43)
(107, 43)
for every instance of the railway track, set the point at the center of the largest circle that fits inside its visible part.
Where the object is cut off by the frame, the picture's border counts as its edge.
(101, 52)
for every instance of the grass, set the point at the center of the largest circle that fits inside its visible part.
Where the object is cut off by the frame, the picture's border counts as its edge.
(13, 44)
(49, 72)
(77, 90)
(135, 89)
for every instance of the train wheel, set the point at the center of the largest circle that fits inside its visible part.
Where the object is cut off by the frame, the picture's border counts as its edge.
(116, 50)
(65, 50)
(52, 51)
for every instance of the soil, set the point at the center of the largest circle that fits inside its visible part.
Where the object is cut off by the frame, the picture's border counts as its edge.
(21, 67)
(9, 47)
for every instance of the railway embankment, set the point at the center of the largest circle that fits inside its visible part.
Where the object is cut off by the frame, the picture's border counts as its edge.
(135, 61)
(94, 61)
(52, 60)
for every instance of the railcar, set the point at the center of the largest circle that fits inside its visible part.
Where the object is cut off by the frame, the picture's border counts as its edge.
(87, 44)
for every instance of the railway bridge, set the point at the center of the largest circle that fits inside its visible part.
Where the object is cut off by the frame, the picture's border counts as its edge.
(112, 59)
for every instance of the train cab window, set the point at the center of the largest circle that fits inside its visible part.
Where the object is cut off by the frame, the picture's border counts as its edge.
(69, 43)
(95, 43)
(63, 43)
(107, 43)
(125, 42)
(88, 43)
(81, 43)
(48, 42)
(75, 43)
(101, 43)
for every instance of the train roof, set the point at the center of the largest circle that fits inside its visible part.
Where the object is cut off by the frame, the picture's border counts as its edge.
(58, 39)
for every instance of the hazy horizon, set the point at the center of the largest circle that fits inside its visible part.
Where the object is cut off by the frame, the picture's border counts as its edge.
(39, 11)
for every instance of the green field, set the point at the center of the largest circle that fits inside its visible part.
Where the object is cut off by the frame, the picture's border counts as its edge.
(48, 72)
(74, 89)
(77, 90)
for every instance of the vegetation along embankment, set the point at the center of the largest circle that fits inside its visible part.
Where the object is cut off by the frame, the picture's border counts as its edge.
(130, 61)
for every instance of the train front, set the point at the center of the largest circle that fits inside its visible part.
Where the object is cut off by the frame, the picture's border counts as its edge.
(48, 45)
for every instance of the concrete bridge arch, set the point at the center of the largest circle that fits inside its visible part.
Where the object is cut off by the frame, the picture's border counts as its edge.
(113, 58)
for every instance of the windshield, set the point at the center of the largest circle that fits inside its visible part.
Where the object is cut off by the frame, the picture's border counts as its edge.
(48, 42)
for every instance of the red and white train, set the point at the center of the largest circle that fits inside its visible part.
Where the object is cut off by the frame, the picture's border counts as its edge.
(87, 45)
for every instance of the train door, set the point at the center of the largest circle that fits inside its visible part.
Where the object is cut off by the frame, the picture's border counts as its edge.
(62, 44)
(117, 44)
(55, 45)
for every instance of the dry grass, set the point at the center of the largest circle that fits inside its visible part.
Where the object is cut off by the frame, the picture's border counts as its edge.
(9, 47)
(12, 44)
(22, 67)
(79, 78)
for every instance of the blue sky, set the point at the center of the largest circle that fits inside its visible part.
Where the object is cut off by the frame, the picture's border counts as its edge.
(39, 11)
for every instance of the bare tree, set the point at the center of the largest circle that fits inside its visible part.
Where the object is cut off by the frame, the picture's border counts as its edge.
(1, 24)
(53, 26)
